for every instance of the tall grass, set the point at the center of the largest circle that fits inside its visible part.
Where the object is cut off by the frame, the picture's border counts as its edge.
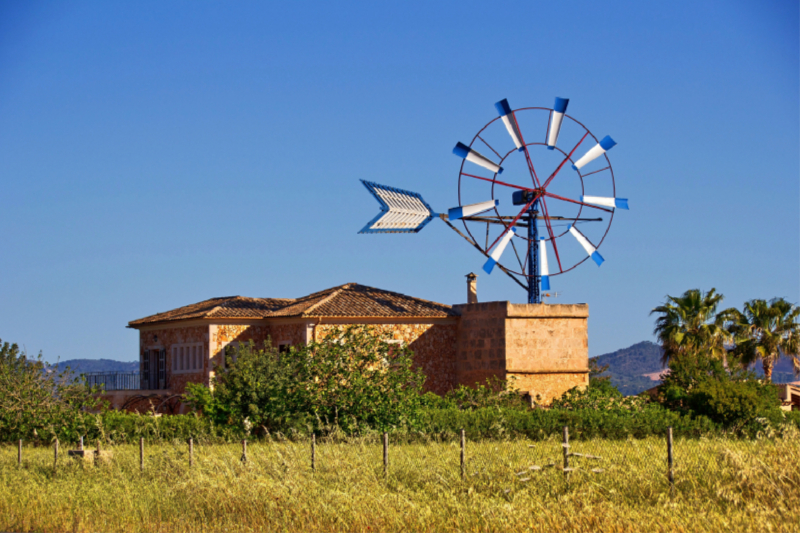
(721, 485)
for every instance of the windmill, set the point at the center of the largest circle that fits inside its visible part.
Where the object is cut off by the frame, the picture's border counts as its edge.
(534, 207)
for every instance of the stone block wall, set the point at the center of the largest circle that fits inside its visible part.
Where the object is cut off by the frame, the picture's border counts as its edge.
(543, 348)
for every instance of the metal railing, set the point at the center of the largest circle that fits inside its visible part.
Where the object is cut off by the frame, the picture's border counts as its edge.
(110, 381)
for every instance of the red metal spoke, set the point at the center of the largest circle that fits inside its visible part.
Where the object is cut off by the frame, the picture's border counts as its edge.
(596, 171)
(527, 155)
(490, 147)
(527, 206)
(552, 235)
(569, 156)
(498, 182)
(557, 197)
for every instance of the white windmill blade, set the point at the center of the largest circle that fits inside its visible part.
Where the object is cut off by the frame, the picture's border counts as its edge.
(559, 109)
(590, 249)
(455, 213)
(401, 211)
(604, 201)
(605, 144)
(510, 121)
(494, 257)
(543, 269)
(465, 152)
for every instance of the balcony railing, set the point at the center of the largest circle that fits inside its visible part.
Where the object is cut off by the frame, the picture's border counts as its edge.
(109, 381)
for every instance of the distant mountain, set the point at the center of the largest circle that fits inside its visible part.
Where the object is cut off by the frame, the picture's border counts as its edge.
(637, 368)
(81, 366)
(627, 367)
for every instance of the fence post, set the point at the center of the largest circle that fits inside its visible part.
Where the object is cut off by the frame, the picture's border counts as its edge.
(669, 462)
(55, 455)
(385, 453)
(141, 454)
(463, 458)
(313, 452)
(244, 450)
(191, 453)
(19, 453)
(565, 445)
(80, 444)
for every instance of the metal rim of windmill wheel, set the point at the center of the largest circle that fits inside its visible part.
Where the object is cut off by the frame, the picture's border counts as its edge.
(528, 198)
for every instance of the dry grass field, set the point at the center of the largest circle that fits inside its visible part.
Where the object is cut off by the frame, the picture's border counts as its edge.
(721, 485)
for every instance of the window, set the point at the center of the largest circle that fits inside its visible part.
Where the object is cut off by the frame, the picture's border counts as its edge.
(284, 346)
(187, 358)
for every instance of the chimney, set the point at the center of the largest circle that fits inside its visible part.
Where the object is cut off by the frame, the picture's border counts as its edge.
(472, 288)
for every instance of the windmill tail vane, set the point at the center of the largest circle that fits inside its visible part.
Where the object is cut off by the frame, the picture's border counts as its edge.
(403, 211)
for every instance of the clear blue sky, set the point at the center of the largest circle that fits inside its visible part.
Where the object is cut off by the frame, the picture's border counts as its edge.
(155, 154)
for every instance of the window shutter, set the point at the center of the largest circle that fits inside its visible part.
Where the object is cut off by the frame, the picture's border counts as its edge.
(144, 371)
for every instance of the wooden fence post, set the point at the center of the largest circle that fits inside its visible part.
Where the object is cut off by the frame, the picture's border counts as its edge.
(19, 453)
(55, 455)
(565, 445)
(385, 453)
(191, 453)
(463, 458)
(244, 450)
(141, 454)
(669, 462)
(313, 452)
(80, 444)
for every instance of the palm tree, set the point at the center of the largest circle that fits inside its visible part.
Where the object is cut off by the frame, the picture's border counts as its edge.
(765, 330)
(688, 325)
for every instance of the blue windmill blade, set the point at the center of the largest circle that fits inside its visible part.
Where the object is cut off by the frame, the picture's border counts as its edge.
(605, 144)
(559, 109)
(604, 201)
(587, 246)
(472, 209)
(465, 152)
(544, 270)
(510, 121)
(494, 257)
(401, 211)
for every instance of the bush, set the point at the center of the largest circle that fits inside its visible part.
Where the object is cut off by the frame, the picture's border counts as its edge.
(39, 403)
(351, 379)
(730, 397)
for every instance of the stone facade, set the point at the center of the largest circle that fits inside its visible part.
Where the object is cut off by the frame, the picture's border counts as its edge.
(543, 348)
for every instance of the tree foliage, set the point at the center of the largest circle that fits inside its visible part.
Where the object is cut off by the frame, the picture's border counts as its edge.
(39, 403)
(688, 325)
(765, 330)
(352, 378)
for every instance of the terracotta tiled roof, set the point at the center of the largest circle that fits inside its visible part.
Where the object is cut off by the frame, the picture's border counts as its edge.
(354, 300)
(225, 307)
(350, 300)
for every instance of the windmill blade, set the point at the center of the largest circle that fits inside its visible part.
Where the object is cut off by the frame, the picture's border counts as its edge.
(606, 144)
(401, 211)
(511, 122)
(544, 271)
(465, 152)
(620, 203)
(590, 249)
(472, 209)
(559, 109)
(494, 258)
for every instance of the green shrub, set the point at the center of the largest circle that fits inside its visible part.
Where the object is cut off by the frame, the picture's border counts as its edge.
(351, 379)
(730, 397)
(39, 403)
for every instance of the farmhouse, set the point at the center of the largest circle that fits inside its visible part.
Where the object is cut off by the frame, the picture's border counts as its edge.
(544, 348)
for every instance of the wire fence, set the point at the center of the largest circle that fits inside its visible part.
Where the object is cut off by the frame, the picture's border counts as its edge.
(646, 467)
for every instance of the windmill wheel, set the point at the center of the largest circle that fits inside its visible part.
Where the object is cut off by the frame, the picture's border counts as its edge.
(538, 180)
